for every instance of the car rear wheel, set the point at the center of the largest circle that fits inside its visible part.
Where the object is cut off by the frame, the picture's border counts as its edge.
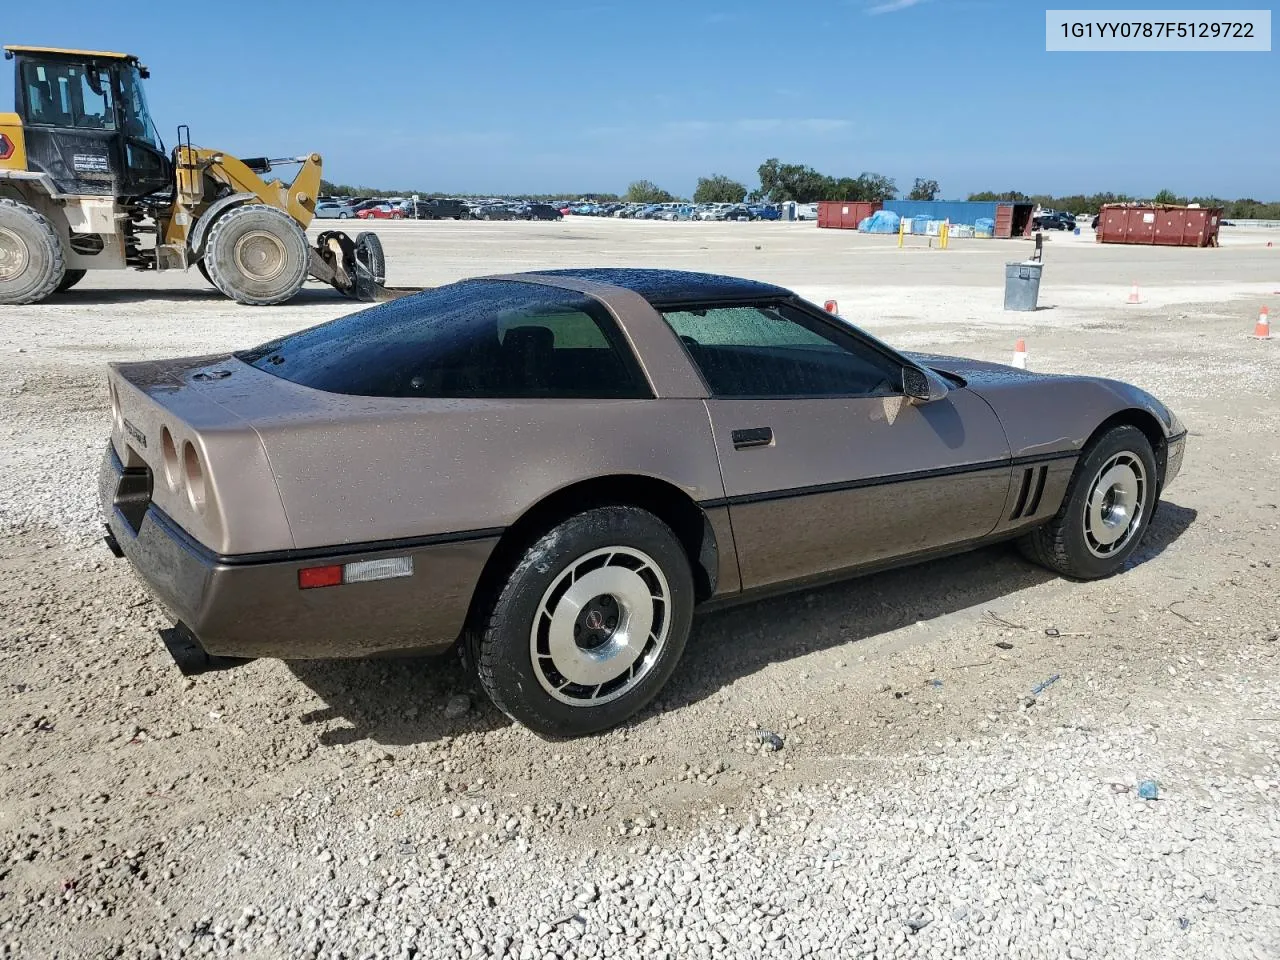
(589, 625)
(1109, 503)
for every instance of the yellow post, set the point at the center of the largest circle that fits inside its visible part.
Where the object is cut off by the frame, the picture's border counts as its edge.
(946, 234)
(902, 225)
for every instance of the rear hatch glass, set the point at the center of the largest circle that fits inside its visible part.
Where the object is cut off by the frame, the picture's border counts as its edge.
(475, 339)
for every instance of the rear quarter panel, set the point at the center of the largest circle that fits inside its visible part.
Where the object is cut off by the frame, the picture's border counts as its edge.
(356, 469)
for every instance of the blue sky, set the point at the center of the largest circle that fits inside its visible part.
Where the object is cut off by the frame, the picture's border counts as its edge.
(543, 96)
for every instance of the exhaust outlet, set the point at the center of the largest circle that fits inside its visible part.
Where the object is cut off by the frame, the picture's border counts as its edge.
(191, 658)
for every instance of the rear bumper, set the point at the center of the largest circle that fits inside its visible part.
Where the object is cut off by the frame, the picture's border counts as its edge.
(251, 605)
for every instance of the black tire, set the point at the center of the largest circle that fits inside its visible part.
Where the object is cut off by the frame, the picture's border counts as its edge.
(32, 261)
(369, 252)
(70, 278)
(271, 270)
(1066, 544)
(503, 645)
(204, 272)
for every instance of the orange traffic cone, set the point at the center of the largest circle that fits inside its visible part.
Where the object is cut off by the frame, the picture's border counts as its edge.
(1262, 329)
(1134, 296)
(1020, 354)
(831, 306)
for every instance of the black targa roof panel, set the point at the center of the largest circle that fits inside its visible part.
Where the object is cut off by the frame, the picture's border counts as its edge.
(674, 286)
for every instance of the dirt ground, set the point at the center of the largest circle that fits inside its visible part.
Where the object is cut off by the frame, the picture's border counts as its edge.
(139, 810)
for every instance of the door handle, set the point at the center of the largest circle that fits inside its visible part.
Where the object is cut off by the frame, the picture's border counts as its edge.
(752, 437)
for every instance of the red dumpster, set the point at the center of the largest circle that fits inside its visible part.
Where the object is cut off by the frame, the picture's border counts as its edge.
(1159, 225)
(845, 214)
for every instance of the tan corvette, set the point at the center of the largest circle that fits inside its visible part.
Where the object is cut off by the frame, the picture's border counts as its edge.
(555, 469)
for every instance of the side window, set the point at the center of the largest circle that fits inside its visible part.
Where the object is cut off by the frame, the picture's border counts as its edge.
(63, 95)
(779, 351)
(569, 331)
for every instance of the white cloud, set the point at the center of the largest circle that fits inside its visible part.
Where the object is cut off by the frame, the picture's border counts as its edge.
(892, 6)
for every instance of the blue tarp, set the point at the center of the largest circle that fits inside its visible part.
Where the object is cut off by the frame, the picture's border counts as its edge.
(984, 225)
(882, 221)
(957, 211)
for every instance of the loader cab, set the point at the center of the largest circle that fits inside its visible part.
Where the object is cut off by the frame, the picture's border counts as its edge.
(86, 123)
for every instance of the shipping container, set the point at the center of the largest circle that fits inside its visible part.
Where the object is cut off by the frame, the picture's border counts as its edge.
(1014, 220)
(957, 211)
(845, 214)
(1163, 226)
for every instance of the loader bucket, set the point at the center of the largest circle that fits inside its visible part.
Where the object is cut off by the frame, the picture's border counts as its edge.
(356, 268)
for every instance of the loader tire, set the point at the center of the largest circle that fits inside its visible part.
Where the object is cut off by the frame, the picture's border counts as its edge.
(70, 279)
(257, 255)
(369, 252)
(32, 261)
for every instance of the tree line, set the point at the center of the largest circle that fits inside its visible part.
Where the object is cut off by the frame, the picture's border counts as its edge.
(1245, 208)
(780, 182)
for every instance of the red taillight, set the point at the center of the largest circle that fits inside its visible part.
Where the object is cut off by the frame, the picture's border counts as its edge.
(358, 571)
(330, 576)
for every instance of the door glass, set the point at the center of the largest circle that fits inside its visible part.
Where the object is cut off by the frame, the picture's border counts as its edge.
(137, 118)
(779, 351)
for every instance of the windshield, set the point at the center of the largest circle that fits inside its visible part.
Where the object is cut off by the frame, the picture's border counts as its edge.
(137, 118)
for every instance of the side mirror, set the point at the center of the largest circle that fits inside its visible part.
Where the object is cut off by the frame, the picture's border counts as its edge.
(922, 385)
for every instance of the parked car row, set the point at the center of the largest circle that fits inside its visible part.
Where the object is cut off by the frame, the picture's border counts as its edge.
(434, 208)
(516, 211)
(442, 208)
(677, 211)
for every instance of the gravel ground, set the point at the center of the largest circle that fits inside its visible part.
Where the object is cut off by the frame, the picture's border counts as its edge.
(964, 746)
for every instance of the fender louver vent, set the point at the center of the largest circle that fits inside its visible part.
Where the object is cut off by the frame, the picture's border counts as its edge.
(1030, 491)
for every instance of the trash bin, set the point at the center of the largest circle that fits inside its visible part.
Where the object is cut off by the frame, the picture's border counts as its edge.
(1022, 284)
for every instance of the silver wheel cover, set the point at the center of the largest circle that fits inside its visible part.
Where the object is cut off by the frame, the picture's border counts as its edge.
(583, 675)
(1113, 511)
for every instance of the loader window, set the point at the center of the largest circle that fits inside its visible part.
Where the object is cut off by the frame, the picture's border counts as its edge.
(68, 95)
(137, 118)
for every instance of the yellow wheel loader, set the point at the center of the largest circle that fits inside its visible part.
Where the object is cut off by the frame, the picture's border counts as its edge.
(86, 184)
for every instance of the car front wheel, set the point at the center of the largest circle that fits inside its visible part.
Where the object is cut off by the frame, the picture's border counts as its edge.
(1109, 503)
(589, 625)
